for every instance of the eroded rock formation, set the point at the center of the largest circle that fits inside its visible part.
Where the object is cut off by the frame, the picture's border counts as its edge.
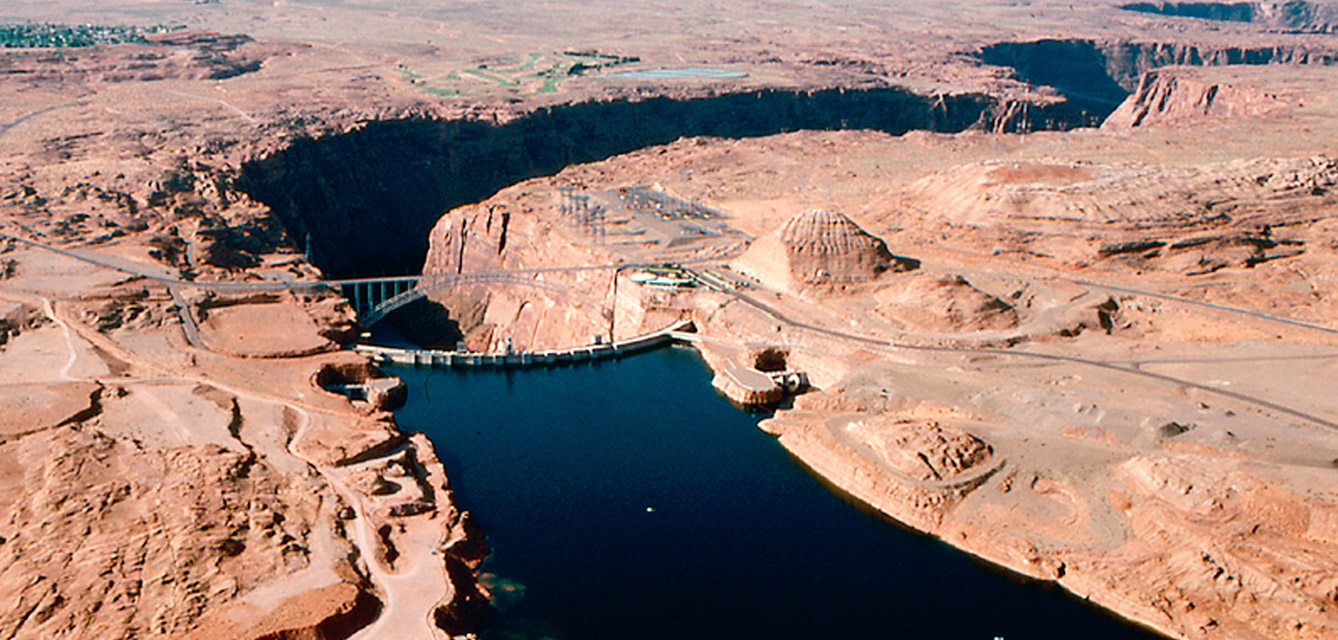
(156, 485)
(1169, 95)
(819, 247)
(923, 451)
(824, 247)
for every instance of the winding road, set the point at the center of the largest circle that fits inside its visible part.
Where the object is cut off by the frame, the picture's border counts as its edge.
(139, 270)
(409, 595)
(411, 592)
(1053, 357)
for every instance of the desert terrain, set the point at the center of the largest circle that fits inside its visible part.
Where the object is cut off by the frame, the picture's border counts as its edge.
(1060, 280)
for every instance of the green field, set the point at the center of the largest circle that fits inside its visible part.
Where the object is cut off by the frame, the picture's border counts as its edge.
(528, 74)
(45, 35)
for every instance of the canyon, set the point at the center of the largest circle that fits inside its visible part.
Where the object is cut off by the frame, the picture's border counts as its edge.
(1060, 280)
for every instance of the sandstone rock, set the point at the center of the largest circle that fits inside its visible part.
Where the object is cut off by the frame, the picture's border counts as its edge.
(405, 509)
(824, 247)
(1280, 15)
(280, 329)
(1178, 95)
(28, 408)
(922, 450)
(537, 311)
(948, 303)
(16, 318)
(107, 534)
(326, 613)
(332, 444)
(372, 203)
(819, 247)
(824, 446)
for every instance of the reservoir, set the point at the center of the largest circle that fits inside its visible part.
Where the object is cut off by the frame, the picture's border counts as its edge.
(626, 499)
(681, 72)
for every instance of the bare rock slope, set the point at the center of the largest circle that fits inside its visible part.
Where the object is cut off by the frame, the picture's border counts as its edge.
(1171, 95)
(819, 247)
(826, 247)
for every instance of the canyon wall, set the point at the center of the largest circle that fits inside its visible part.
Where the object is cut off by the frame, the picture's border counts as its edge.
(1167, 96)
(1289, 15)
(1096, 76)
(363, 202)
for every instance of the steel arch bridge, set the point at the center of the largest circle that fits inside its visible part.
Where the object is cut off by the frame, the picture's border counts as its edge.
(374, 298)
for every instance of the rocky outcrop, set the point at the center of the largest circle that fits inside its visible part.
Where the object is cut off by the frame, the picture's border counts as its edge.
(29, 408)
(103, 534)
(942, 304)
(1179, 95)
(468, 240)
(1097, 76)
(1223, 11)
(1288, 15)
(921, 450)
(747, 387)
(274, 328)
(819, 247)
(331, 444)
(328, 613)
(912, 470)
(824, 247)
(1164, 519)
(525, 312)
(15, 317)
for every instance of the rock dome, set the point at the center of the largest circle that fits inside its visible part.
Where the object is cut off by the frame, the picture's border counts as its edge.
(818, 247)
(827, 247)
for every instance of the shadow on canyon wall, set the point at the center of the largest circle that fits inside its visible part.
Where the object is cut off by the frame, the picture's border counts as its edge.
(1297, 16)
(1098, 76)
(362, 203)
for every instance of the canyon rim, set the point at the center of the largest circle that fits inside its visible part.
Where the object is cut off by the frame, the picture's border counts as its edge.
(1052, 282)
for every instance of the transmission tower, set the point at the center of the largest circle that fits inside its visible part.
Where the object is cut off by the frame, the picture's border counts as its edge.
(595, 222)
(566, 201)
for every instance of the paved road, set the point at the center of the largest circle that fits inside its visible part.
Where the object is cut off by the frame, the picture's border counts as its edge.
(778, 315)
(169, 276)
(1035, 355)
(188, 323)
(1210, 305)
(1041, 272)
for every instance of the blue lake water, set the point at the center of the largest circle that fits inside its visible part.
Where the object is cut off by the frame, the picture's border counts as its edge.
(626, 499)
(679, 72)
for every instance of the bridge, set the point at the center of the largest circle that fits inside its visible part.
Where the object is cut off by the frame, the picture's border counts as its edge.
(374, 298)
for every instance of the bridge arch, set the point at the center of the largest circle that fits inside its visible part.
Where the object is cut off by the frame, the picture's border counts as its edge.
(372, 303)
